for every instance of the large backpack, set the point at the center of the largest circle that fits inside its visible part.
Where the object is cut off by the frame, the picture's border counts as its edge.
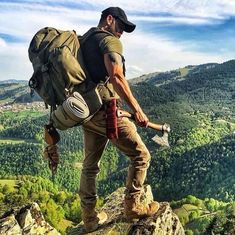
(59, 70)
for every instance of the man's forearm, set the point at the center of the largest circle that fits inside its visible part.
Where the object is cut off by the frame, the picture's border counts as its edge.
(121, 86)
(114, 66)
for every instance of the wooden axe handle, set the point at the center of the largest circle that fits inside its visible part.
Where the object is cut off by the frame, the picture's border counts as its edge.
(123, 113)
(155, 126)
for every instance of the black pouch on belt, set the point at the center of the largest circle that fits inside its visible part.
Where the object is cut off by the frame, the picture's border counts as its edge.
(111, 119)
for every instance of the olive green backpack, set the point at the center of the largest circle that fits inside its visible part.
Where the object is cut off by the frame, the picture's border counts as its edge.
(59, 71)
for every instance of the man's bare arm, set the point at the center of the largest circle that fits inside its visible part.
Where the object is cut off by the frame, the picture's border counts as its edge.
(114, 66)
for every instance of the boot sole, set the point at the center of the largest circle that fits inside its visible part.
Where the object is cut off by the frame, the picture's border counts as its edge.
(134, 218)
(137, 217)
(90, 229)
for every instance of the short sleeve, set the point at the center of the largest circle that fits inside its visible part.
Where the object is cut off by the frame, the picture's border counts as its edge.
(111, 44)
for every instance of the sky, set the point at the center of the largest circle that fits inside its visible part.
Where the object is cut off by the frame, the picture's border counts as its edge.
(169, 34)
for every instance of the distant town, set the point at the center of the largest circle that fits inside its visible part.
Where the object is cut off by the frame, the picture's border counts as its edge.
(15, 107)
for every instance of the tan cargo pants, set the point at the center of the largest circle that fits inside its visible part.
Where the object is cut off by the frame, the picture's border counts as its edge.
(129, 143)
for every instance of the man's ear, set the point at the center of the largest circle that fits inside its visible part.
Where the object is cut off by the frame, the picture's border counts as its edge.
(109, 20)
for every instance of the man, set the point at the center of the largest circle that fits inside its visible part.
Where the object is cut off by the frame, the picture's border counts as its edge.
(103, 57)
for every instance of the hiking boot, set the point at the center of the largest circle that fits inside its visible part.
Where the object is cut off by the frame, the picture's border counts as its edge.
(93, 220)
(134, 209)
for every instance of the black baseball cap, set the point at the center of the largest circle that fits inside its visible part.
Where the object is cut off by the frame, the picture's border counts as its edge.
(117, 12)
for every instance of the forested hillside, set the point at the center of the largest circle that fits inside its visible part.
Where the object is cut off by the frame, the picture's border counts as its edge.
(198, 103)
(16, 92)
(200, 108)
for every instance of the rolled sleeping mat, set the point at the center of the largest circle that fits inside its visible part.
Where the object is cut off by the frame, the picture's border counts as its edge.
(73, 111)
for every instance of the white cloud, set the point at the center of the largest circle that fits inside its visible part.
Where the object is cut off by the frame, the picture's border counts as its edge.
(2, 44)
(149, 54)
(26, 21)
(22, 22)
(14, 62)
(176, 20)
(156, 53)
(200, 8)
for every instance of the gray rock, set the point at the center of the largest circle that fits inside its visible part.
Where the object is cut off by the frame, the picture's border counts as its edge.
(27, 220)
(9, 226)
(164, 222)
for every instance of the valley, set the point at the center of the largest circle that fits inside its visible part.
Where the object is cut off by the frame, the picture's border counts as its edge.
(197, 174)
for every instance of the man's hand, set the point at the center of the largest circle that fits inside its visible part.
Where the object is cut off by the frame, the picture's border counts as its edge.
(141, 119)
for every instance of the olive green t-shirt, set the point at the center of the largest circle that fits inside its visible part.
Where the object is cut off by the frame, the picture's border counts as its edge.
(111, 44)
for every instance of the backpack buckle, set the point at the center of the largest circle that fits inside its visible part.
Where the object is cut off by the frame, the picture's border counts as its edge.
(44, 68)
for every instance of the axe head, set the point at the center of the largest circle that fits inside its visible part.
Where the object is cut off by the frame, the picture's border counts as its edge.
(162, 140)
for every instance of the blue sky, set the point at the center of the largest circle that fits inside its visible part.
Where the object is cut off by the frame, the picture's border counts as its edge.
(169, 34)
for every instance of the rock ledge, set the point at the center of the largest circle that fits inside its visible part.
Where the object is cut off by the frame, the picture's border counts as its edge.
(164, 222)
(28, 220)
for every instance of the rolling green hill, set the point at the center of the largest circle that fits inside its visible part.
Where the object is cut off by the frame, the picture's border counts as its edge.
(16, 92)
(200, 109)
(197, 101)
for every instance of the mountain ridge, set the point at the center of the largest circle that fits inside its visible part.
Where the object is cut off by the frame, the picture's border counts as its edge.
(7, 81)
(158, 78)
(19, 92)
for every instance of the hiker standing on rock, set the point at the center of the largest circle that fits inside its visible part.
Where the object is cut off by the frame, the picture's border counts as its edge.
(102, 51)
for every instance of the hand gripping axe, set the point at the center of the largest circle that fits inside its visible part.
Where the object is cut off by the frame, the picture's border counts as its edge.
(165, 128)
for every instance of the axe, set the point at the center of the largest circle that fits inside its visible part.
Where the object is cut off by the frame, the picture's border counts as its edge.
(165, 128)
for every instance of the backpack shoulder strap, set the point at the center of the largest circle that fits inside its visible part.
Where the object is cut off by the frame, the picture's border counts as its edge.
(94, 31)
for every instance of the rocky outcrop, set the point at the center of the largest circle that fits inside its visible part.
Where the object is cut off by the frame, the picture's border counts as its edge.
(30, 221)
(164, 222)
(27, 221)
